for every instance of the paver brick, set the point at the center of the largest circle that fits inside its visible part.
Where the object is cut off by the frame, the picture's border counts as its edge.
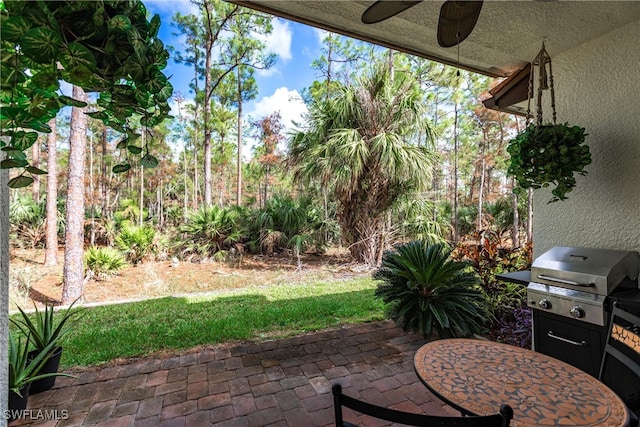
(100, 411)
(221, 414)
(197, 390)
(177, 374)
(149, 407)
(213, 401)
(175, 397)
(170, 387)
(243, 405)
(157, 378)
(130, 408)
(124, 421)
(265, 418)
(266, 402)
(179, 409)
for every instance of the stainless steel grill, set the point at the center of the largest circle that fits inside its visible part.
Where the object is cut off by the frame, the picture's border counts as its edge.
(570, 294)
(574, 282)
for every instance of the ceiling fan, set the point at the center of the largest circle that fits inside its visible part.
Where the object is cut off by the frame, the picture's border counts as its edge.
(455, 23)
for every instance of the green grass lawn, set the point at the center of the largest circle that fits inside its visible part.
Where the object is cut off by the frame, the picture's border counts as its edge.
(174, 323)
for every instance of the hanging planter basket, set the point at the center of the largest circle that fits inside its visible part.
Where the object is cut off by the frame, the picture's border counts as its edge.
(549, 154)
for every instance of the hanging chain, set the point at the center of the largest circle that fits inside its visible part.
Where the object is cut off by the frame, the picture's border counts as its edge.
(541, 60)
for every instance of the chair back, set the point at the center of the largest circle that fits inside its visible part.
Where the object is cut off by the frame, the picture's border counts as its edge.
(501, 419)
(623, 345)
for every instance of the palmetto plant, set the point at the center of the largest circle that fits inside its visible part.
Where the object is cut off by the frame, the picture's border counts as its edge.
(136, 242)
(103, 261)
(211, 229)
(425, 291)
(27, 218)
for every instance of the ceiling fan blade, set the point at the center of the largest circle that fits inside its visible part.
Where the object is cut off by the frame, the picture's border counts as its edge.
(384, 9)
(456, 21)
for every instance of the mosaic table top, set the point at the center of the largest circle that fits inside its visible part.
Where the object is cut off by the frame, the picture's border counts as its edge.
(478, 376)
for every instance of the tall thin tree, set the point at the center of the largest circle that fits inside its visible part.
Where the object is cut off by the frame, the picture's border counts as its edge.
(51, 246)
(73, 270)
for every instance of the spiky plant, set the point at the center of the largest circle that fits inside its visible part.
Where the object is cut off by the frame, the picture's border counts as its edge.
(209, 230)
(136, 242)
(425, 290)
(104, 261)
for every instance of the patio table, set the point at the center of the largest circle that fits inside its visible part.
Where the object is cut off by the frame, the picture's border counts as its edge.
(477, 376)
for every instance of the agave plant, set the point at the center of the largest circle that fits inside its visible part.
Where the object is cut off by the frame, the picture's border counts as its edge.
(23, 370)
(425, 290)
(43, 329)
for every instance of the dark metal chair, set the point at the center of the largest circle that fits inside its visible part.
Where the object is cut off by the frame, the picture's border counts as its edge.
(501, 419)
(623, 344)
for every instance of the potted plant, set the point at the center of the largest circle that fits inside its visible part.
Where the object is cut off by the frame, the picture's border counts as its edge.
(23, 372)
(45, 332)
(426, 290)
(549, 154)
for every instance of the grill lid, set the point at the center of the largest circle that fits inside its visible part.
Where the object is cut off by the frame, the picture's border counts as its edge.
(592, 270)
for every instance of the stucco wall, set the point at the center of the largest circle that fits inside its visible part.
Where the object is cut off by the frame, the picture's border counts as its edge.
(598, 87)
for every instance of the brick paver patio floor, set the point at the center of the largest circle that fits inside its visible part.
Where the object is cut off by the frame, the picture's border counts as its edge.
(285, 382)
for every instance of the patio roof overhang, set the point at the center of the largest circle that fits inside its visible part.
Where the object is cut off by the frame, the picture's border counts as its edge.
(507, 36)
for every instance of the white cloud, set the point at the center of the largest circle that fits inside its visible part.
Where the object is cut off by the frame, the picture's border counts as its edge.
(320, 34)
(288, 102)
(279, 40)
(169, 7)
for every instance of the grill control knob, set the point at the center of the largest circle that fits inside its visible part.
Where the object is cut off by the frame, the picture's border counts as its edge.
(544, 304)
(576, 312)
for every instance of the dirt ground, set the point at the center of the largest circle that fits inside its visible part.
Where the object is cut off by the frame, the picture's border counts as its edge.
(32, 282)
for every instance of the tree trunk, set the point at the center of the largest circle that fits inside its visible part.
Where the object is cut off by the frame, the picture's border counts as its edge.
(186, 192)
(239, 178)
(141, 201)
(481, 189)
(104, 188)
(92, 204)
(530, 215)
(51, 251)
(515, 229)
(35, 161)
(73, 270)
(456, 221)
(207, 105)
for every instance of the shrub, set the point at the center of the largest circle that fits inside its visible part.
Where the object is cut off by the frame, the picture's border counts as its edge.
(103, 261)
(27, 218)
(506, 301)
(209, 230)
(136, 242)
(426, 290)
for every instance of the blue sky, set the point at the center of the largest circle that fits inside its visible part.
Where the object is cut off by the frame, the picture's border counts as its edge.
(295, 45)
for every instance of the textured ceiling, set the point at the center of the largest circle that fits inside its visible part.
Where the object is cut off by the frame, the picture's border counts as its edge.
(508, 33)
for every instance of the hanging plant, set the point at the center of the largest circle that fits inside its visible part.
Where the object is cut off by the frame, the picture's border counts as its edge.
(551, 154)
(548, 154)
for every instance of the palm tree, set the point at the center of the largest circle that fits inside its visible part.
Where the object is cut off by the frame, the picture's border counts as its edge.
(361, 145)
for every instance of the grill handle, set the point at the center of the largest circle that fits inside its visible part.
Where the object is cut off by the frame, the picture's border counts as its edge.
(564, 281)
(550, 334)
